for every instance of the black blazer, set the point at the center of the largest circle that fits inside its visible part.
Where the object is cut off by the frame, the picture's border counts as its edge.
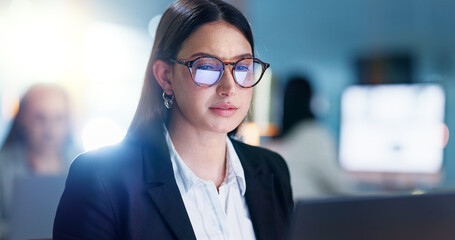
(128, 191)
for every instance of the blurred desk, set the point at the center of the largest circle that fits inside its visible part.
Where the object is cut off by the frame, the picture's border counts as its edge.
(388, 181)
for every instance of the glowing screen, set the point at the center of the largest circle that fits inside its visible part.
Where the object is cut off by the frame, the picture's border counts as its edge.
(392, 128)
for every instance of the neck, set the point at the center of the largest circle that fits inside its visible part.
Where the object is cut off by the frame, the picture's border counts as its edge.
(204, 152)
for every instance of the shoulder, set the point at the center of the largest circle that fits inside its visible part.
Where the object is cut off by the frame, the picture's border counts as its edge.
(108, 162)
(312, 129)
(110, 155)
(102, 175)
(260, 158)
(97, 182)
(254, 150)
(258, 161)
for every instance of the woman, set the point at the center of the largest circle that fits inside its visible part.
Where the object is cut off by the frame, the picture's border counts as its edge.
(177, 175)
(308, 147)
(39, 143)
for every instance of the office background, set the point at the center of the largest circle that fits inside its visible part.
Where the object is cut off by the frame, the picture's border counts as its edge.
(98, 51)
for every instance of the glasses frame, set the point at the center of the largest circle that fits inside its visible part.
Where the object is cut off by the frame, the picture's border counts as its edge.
(190, 63)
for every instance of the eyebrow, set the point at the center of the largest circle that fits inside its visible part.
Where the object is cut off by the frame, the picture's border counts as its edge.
(203, 54)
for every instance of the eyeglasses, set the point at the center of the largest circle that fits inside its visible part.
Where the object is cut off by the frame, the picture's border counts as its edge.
(207, 71)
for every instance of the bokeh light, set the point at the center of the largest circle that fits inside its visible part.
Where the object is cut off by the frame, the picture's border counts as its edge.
(101, 132)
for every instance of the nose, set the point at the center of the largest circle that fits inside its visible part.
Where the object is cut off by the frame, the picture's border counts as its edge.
(226, 86)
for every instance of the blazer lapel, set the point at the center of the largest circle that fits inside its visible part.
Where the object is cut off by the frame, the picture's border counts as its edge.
(259, 195)
(162, 188)
(172, 210)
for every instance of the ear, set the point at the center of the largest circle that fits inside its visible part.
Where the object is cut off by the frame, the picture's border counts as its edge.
(162, 72)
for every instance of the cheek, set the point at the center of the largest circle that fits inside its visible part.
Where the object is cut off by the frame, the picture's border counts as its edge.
(180, 77)
(33, 124)
(191, 102)
(183, 92)
(34, 132)
(247, 96)
(180, 83)
(186, 92)
(60, 128)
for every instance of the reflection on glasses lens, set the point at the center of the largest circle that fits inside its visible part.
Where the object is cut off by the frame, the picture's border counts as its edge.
(248, 72)
(207, 71)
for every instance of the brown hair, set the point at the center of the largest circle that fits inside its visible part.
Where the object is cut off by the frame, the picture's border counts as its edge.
(179, 20)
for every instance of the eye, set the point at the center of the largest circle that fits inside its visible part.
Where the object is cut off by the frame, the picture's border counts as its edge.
(207, 64)
(242, 68)
(207, 67)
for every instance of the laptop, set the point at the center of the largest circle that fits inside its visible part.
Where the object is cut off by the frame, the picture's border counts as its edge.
(415, 217)
(34, 204)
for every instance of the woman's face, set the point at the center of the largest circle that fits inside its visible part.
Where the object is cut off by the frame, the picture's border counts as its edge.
(219, 108)
(45, 120)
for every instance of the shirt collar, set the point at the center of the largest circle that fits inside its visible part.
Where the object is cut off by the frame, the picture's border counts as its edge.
(183, 175)
(234, 165)
(186, 178)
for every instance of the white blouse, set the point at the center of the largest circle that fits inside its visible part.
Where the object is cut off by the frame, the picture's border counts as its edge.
(213, 214)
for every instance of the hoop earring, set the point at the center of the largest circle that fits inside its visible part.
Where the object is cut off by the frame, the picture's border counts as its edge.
(168, 97)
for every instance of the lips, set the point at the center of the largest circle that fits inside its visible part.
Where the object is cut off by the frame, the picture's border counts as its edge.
(224, 109)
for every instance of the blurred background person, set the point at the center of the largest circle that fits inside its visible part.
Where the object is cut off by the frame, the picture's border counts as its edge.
(307, 146)
(363, 42)
(39, 142)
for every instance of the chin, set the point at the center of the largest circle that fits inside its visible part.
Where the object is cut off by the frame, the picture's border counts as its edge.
(222, 130)
(219, 127)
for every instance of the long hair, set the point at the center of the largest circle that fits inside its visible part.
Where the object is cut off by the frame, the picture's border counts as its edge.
(296, 104)
(180, 19)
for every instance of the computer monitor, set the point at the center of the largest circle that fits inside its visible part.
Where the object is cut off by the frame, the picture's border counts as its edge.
(400, 217)
(395, 128)
(35, 201)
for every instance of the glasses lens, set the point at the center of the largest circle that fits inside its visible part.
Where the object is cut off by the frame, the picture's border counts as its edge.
(248, 72)
(206, 71)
